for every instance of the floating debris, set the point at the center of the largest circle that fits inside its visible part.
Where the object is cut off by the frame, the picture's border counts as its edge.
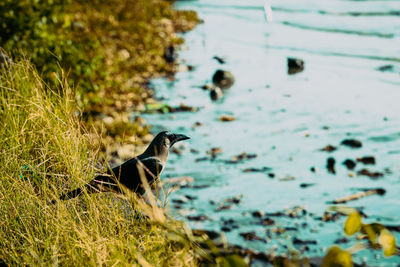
(221, 60)
(158, 107)
(201, 159)
(287, 178)
(367, 192)
(297, 241)
(263, 169)
(251, 236)
(367, 160)
(199, 218)
(236, 199)
(191, 198)
(371, 174)
(296, 212)
(214, 152)
(386, 68)
(240, 158)
(343, 240)
(328, 148)
(226, 118)
(353, 143)
(267, 222)
(197, 124)
(305, 185)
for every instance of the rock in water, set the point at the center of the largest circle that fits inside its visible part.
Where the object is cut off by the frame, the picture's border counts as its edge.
(330, 165)
(223, 79)
(353, 143)
(215, 93)
(295, 65)
(170, 54)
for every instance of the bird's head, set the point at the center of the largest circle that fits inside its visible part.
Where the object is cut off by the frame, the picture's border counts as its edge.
(164, 141)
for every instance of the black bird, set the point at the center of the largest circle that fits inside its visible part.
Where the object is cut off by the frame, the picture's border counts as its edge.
(151, 163)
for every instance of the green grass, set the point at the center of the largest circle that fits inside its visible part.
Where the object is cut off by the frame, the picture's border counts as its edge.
(44, 151)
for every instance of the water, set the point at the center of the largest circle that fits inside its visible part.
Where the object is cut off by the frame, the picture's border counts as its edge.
(285, 119)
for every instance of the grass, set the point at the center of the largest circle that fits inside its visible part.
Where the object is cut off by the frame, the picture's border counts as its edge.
(44, 151)
(108, 48)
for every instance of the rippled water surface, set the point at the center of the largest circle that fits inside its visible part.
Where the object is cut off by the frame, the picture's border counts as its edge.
(285, 119)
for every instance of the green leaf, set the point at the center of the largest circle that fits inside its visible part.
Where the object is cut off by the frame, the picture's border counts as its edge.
(353, 224)
(231, 261)
(388, 243)
(337, 257)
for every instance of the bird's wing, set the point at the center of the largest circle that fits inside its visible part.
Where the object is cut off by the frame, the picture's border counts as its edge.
(151, 166)
(129, 173)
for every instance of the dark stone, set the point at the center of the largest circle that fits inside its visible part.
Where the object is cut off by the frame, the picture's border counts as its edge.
(257, 214)
(367, 160)
(353, 143)
(170, 54)
(295, 65)
(350, 164)
(216, 93)
(271, 175)
(330, 165)
(297, 241)
(223, 79)
(312, 169)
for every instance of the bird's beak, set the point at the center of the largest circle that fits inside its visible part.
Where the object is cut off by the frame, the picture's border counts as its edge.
(178, 137)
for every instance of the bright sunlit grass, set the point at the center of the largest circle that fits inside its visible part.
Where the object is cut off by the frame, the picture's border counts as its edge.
(45, 151)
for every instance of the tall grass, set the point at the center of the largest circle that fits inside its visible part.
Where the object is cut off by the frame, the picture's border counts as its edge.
(44, 151)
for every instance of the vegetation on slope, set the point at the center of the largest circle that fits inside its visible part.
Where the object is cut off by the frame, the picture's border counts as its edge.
(44, 149)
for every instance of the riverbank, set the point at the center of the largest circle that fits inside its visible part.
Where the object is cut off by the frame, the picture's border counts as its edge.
(58, 123)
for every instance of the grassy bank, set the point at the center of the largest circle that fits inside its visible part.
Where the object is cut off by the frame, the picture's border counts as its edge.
(68, 108)
(44, 149)
(108, 49)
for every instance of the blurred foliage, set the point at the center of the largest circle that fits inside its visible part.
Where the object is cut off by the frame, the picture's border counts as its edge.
(44, 32)
(109, 50)
(337, 257)
(376, 234)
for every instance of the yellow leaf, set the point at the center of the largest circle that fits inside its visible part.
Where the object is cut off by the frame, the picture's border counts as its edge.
(352, 224)
(388, 243)
(337, 257)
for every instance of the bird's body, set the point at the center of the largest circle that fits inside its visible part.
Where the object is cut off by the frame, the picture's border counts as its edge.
(150, 164)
